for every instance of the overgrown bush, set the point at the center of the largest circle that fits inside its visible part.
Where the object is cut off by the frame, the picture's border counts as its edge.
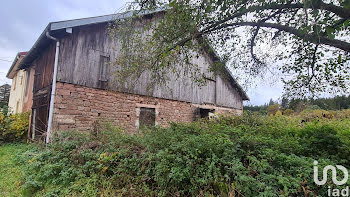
(310, 114)
(249, 155)
(13, 127)
(288, 112)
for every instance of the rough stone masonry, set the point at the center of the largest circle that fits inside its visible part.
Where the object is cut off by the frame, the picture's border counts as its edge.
(78, 107)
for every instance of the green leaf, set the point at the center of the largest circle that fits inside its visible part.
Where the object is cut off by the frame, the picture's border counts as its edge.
(339, 58)
(172, 3)
(330, 32)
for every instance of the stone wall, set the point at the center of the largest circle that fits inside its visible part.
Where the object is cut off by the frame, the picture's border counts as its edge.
(78, 107)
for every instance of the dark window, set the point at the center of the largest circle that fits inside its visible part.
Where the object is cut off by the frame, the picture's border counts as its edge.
(147, 117)
(104, 61)
(204, 113)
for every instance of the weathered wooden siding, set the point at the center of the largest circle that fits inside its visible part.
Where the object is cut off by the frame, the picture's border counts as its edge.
(79, 64)
(44, 66)
(80, 54)
(226, 95)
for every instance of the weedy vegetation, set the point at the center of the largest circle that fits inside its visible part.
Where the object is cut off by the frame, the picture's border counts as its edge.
(11, 174)
(13, 127)
(249, 155)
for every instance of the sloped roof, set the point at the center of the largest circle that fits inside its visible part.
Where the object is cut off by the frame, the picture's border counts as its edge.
(14, 66)
(56, 28)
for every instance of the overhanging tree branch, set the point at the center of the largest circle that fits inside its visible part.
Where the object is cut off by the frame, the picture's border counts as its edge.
(252, 41)
(307, 37)
(218, 21)
(340, 11)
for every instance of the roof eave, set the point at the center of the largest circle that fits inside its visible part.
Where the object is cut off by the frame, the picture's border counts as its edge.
(100, 19)
(10, 73)
(34, 52)
(241, 90)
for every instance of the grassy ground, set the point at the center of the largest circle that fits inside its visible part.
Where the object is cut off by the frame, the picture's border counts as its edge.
(11, 173)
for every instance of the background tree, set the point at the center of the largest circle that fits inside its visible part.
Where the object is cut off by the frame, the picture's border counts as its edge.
(273, 109)
(288, 112)
(305, 40)
(298, 105)
(284, 103)
(4, 95)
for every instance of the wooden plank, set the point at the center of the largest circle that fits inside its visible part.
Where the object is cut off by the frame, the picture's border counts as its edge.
(227, 95)
(79, 64)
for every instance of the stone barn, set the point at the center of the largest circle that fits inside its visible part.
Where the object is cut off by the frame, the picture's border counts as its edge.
(73, 85)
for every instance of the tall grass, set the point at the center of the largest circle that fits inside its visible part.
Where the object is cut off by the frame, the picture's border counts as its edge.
(10, 172)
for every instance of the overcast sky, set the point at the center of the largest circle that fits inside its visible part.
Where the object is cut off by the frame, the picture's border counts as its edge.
(23, 21)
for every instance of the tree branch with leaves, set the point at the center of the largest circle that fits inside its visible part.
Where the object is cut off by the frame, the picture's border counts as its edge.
(310, 39)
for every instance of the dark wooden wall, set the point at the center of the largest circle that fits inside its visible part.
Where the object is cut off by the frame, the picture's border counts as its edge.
(44, 66)
(79, 64)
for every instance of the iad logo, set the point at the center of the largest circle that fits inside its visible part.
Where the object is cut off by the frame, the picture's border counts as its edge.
(334, 174)
(332, 192)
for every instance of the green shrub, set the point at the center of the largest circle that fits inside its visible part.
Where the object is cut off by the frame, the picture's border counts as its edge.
(13, 127)
(288, 112)
(320, 141)
(249, 155)
(272, 109)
